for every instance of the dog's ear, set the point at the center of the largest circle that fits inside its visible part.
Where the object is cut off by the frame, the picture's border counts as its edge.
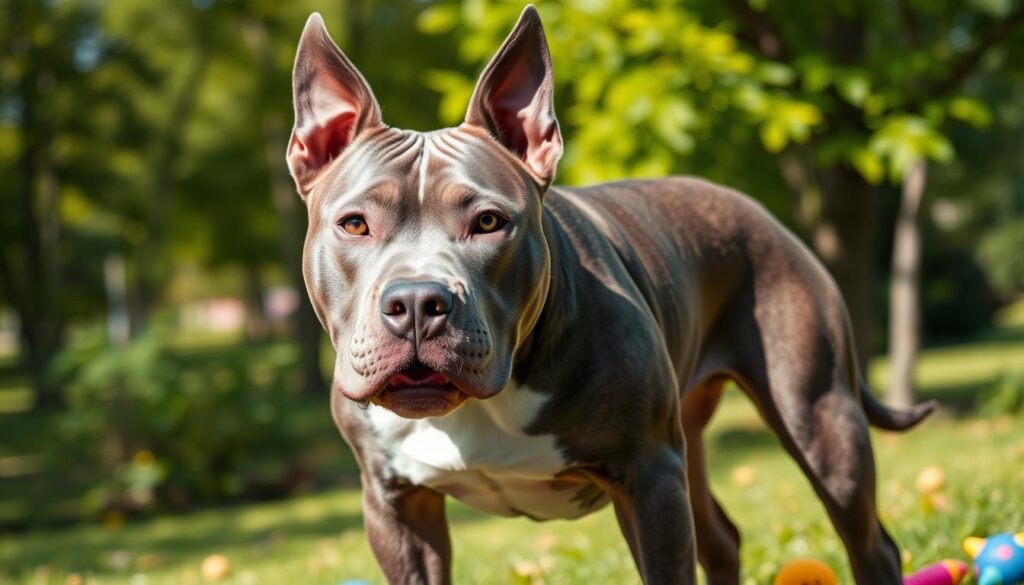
(514, 98)
(333, 103)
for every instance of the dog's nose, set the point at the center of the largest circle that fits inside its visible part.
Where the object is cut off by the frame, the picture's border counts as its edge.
(416, 310)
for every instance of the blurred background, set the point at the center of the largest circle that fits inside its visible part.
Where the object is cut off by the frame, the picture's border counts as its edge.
(159, 361)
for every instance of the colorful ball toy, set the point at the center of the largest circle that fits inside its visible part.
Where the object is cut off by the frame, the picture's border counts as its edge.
(999, 559)
(940, 573)
(806, 572)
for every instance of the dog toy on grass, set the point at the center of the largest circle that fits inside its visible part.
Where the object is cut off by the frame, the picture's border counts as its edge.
(940, 573)
(215, 568)
(806, 572)
(999, 559)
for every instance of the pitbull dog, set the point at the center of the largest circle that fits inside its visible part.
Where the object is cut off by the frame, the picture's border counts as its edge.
(542, 351)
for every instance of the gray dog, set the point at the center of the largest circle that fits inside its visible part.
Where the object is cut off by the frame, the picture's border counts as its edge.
(542, 351)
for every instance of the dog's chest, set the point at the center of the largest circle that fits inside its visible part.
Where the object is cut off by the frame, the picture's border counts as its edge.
(480, 455)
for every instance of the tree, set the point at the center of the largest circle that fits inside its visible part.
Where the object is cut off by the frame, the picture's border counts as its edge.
(843, 97)
(38, 139)
(904, 293)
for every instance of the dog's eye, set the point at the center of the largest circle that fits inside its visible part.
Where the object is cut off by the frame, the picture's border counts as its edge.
(355, 225)
(488, 222)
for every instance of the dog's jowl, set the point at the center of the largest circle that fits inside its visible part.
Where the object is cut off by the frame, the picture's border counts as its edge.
(545, 351)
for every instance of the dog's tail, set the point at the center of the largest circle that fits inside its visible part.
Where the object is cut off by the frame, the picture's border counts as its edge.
(889, 419)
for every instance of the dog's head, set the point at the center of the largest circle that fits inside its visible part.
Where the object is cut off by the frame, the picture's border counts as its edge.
(425, 257)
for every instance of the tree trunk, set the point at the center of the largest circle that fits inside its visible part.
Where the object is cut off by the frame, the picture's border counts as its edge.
(50, 235)
(165, 165)
(39, 314)
(115, 285)
(256, 326)
(33, 292)
(844, 234)
(904, 309)
(844, 240)
(34, 324)
(805, 192)
(308, 332)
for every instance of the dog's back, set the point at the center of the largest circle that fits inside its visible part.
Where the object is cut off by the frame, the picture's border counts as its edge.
(720, 250)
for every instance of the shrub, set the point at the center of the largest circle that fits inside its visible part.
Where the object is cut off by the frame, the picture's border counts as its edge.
(171, 427)
(1004, 397)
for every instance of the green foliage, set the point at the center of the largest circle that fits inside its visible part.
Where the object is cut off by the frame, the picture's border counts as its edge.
(776, 99)
(438, 19)
(971, 111)
(956, 298)
(787, 121)
(898, 144)
(1005, 397)
(163, 144)
(168, 428)
(645, 84)
(455, 90)
(1001, 252)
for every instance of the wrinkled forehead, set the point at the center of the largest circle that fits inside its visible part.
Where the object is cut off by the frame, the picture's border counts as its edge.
(424, 169)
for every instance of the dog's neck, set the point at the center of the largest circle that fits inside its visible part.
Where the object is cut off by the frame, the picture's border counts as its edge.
(561, 306)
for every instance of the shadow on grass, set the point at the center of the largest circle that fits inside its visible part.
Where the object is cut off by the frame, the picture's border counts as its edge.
(176, 540)
(740, 439)
(1006, 334)
(180, 540)
(960, 400)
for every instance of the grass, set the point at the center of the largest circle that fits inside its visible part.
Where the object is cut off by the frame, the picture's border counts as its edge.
(318, 538)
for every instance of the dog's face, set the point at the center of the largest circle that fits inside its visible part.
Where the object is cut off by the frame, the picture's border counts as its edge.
(425, 257)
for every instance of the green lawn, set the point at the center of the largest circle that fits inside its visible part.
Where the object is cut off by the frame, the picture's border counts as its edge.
(318, 538)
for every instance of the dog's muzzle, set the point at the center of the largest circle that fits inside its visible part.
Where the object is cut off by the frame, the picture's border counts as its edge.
(416, 311)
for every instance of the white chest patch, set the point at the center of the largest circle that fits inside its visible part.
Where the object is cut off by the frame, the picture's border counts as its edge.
(480, 455)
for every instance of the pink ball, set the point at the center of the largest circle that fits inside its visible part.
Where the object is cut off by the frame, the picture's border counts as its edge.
(941, 573)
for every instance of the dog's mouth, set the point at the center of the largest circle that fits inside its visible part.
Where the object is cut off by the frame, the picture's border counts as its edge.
(418, 392)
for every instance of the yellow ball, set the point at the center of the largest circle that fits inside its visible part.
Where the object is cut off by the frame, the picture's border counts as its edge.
(931, 480)
(806, 572)
(215, 568)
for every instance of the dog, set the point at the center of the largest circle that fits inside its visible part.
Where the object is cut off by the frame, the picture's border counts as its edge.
(543, 351)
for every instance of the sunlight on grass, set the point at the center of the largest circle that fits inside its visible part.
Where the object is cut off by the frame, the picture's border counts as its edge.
(966, 367)
(958, 366)
(14, 400)
(319, 538)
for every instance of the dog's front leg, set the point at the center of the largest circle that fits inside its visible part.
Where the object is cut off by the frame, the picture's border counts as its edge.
(653, 509)
(408, 532)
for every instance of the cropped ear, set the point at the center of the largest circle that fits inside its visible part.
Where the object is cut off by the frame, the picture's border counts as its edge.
(333, 103)
(514, 98)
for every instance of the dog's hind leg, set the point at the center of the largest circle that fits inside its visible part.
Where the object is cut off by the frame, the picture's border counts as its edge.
(829, 439)
(718, 540)
(799, 369)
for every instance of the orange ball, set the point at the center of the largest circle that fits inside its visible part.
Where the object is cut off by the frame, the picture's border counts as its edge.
(806, 572)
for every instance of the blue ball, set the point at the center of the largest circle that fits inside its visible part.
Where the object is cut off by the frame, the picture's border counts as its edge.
(1001, 560)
